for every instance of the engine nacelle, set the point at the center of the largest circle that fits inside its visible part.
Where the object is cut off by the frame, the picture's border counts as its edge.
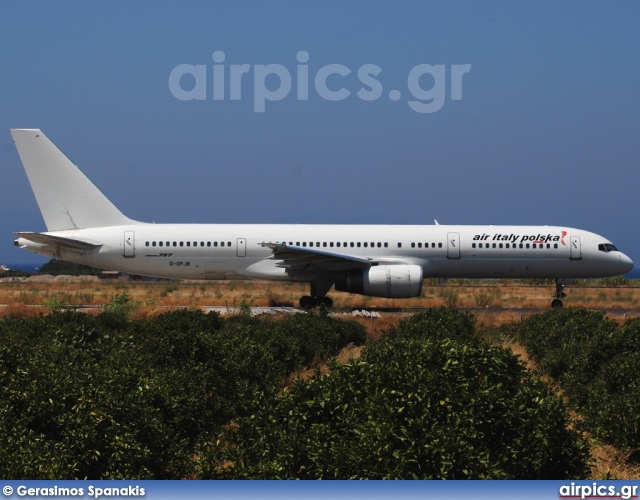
(395, 281)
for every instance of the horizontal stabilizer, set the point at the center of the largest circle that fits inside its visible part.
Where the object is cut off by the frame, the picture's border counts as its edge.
(48, 239)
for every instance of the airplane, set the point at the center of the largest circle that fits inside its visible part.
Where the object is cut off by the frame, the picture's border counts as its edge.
(83, 226)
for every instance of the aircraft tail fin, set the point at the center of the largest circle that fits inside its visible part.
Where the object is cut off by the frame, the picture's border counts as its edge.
(66, 197)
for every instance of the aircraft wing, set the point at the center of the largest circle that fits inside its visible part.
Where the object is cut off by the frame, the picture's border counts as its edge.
(295, 257)
(48, 239)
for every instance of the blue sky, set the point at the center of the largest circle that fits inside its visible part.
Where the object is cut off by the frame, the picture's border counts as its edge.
(546, 131)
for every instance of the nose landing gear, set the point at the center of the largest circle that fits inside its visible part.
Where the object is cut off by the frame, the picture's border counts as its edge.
(559, 295)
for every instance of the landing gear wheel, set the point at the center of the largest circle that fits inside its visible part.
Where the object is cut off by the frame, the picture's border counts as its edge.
(307, 302)
(559, 295)
(325, 302)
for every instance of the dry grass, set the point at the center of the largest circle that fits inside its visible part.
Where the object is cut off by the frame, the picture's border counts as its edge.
(264, 294)
(611, 463)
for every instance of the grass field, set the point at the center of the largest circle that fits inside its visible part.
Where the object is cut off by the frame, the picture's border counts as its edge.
(163, 294)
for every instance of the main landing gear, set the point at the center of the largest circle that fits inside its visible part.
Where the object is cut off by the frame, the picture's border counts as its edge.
(318, 297)
(559, 295)
(307, 302)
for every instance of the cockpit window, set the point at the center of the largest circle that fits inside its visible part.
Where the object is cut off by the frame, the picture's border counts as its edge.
(607, 247)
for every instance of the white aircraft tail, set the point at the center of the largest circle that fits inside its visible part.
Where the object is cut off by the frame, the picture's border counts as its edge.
(66, 197)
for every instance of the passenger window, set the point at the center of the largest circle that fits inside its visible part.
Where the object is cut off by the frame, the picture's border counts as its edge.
(153, 244)
(338, 244)
(324, 244)
(358, 244)
(439, 245)
(146, 244)
(386, 245)
(352, 244)
(399, 245)
(413, 245)
(365, 244)
(473, 245)
(304, 243)
(419, 245)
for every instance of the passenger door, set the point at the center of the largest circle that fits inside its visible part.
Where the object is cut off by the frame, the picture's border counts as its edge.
(453, 245)
(241, 247)
(129, 244)
(575, 250)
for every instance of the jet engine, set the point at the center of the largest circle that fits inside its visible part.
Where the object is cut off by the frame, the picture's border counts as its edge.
(394, 281)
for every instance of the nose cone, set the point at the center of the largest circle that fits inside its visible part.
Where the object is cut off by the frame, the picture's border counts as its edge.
(626, 264)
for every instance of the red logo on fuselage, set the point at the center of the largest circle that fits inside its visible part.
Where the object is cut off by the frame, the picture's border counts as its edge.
(564, 233)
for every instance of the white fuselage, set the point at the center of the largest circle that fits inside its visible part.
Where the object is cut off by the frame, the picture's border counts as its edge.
(235, 251)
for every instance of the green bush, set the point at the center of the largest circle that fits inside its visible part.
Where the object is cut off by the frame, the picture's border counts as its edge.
(612, 409)
(566, 340)
(438, 323)
(596, 362)
(110, 397)
(414, 406)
